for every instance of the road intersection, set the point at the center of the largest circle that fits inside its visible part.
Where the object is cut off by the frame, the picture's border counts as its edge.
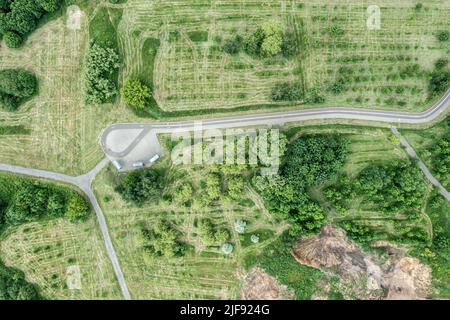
(84, 182)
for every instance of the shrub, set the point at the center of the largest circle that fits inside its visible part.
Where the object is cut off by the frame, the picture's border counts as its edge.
(18, 82)
(285, 91)
(140, 186)
(13, 39)
(135, 93)
(443, 36)
(77, 208)
(101, 64)
(233, 45)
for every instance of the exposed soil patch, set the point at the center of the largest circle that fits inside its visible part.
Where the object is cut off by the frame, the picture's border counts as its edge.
(398, 278)
(258, 285)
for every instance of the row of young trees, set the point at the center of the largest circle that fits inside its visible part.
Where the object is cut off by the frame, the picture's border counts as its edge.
(26, 201)
(18, 18)
(269, 39)
(102, 64)
(16, 86)
(36, 200)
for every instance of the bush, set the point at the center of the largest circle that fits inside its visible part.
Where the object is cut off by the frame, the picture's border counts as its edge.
(285, 91)
(49, 5)
(101, 65)
(443, 36)
(77, 208)
(13, 39)
(18, 82)
(13, 285)
(266, 40)
(233, 45)
(23, 16)
(16, 85)
(141, 186)
(135, 93)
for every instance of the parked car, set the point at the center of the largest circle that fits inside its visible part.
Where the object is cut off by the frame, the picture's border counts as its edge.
(154, 158)
(138, 164)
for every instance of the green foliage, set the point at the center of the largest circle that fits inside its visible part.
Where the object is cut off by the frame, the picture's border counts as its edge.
(16, 85)
(336, 31)
(49, 5)
(22, 17)
(312, 160)
(13, 39)
(286, 91)
(135, 93)
(441, 157)
(393, 188)
(13, 285)
(183, 194)
(439, 81)
(314, 96)
(266, 41)
(163, 241)
(235, 186)
(77, 209)
(101, 65)
(213, 187)
(141, 186)
(233, 45)
(210, 234)
(35, 200)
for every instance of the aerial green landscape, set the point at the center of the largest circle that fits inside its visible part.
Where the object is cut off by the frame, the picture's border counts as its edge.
(314, 137)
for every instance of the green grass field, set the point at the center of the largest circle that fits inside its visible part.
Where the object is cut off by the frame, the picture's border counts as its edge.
(46, 251)
(192, 72)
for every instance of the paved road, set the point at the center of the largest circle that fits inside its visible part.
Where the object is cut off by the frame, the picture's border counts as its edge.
(84, 182)
(412, 153)
(278, 118)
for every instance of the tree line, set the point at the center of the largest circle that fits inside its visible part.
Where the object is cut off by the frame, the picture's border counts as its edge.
(16, 86)
(18, 18)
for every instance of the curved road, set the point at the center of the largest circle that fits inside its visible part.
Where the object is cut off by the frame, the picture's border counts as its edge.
(277, 118)
(83, 182)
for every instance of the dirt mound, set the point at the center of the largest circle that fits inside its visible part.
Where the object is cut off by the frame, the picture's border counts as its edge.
(333, 251)
(398, 278)
(258, 285)
(407, 279)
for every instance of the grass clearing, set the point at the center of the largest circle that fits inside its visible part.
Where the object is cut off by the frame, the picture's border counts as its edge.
(47, 249)
(386, 69)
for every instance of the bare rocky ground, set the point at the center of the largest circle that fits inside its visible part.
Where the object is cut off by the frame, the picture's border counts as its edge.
(367, 275)
(362, 275)
(258, 285)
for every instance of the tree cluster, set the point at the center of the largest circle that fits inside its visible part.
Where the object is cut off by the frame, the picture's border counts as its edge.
(35, 200)
(163, 241)
(286, 91)
(20, 17)
(141, 186)
(14, 286)
(210, 234)
(136, 94)
(310, 161)
(16, 85)
(101, 66)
